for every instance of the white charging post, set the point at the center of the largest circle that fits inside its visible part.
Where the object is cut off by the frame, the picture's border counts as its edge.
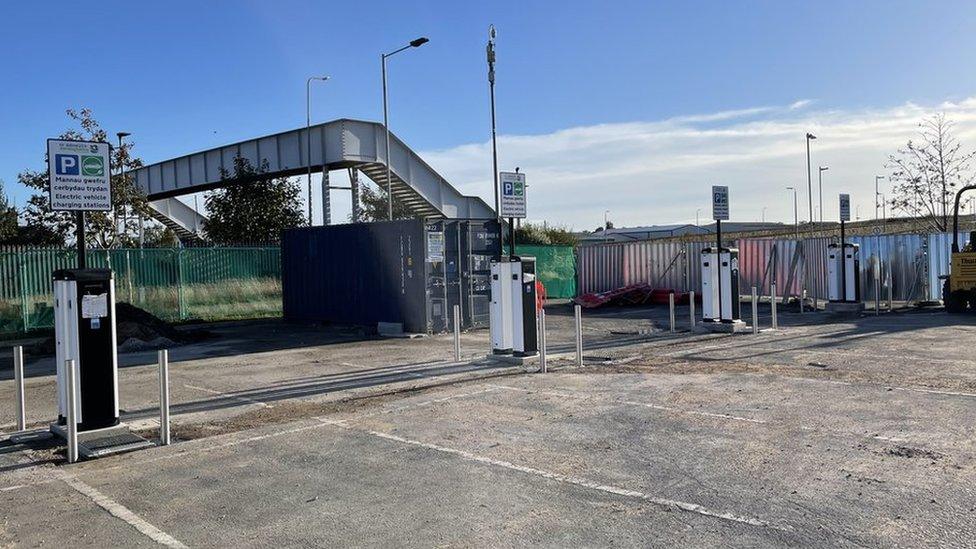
(720, 274)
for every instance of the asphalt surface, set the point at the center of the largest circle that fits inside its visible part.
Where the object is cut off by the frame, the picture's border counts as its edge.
(825, 433)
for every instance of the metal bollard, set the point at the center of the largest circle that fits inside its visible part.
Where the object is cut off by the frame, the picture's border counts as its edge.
(542, 340)
(755, 310)
(19, 382)
(69, 366)
(691, 303)
(457, 333)
(671, 305)
(877, 296)
(772, 303)
(803, 297)
(163, 359)
(578, 311)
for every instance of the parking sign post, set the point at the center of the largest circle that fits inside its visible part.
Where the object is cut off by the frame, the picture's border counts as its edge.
(512, 202)
(79, 173)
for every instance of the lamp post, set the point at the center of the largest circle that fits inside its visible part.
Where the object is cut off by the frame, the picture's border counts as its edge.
(876, 194)
(416, 43)
(764, 214)
(810, 136)
(697, 211)
(796, 220)
(125, 218)
(820, 172)
(308, 141)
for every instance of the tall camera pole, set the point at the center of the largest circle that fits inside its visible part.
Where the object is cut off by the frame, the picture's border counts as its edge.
(494, 143)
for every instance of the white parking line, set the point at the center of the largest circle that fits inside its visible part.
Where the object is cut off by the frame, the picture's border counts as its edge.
(567, 479)
(119, 511)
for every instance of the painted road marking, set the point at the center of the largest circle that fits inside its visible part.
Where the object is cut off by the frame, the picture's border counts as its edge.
(119, 511)
(567, 479)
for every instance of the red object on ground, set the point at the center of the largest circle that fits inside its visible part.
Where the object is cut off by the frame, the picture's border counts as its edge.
(635, 294)
(540, 294)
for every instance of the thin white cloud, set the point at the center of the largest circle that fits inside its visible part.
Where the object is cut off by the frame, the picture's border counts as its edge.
(660, 172)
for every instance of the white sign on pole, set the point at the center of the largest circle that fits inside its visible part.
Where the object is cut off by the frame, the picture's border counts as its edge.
(513, 194)
(845, 207)
(80, 175)
(720, 203)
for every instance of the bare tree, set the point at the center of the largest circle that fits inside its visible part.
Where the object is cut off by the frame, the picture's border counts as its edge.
(926, 173)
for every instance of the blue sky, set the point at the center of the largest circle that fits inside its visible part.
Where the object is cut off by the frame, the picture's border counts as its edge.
(185, 76)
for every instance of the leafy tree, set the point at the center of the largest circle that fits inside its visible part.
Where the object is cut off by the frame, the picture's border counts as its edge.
(544, 235)
(251, 208)
(926, 173)
(110, 229)
(8, 217)
(374, 205)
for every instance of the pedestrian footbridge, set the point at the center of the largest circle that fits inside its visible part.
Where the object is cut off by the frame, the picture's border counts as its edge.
(357, 145)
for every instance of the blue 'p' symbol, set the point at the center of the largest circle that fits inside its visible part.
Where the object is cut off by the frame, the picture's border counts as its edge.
(508, 188)
(66, 164)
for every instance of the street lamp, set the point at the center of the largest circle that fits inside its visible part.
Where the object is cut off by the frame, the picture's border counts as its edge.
(416, 43)
(820, 172)
(876, 194)
(308, 142)
(697, 211)
(809, 177)
(764, 214)
(796, 220)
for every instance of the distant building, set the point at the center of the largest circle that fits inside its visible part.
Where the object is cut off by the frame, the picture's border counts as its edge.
(652, 232)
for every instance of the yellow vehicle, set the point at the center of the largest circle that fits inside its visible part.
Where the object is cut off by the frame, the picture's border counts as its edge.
(959, 288)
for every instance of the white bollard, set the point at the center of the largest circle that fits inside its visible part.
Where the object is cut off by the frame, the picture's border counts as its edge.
(578, 311)
(457, 333)
(803, 297)
(691, 308)
(542, 340)
(164, 438)
(69, 366)
(877, 296)
(19, 382)
(772, 303)
(755, 310)
(671, 305)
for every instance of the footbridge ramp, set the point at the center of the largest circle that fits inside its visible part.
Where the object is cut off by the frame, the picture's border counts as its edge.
(339, 144)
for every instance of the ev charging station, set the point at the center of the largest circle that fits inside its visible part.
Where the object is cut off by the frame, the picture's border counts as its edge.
(84, 310)
(843, 269)
(720, 274)
(84, 331)
(512, 314)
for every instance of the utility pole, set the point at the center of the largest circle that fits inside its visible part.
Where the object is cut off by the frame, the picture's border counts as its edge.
(820, 172)
(490, 51)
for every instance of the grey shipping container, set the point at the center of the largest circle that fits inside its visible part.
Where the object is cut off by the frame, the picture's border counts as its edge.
(409, 272)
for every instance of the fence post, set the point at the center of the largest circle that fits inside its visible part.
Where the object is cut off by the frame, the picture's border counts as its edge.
(179, 283)
(755, 310)
(24, 311)
(691, 308)
(19, 381)
(542, 341)
(163, 359)
(671, 312)
(578, 312)
(772, 303)
(457, 333)
(72, 411)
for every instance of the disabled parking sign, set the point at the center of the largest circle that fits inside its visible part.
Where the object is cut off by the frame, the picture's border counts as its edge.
(79, 175)
(513, 194)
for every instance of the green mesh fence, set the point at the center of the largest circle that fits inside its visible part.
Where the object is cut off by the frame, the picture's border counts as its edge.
(173, 283)
(556, 267)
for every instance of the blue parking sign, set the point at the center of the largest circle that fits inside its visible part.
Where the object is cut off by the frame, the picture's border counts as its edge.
(66, 164)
